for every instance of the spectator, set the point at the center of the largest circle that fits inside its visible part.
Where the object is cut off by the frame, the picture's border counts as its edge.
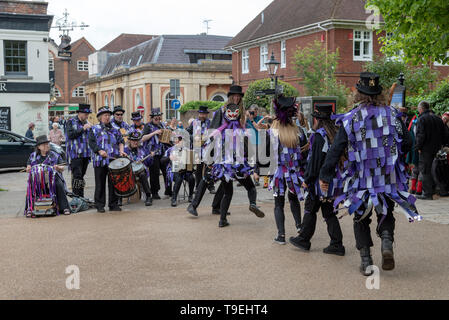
(252, 119)
(56, 135)
(430, 137)
(29, 134)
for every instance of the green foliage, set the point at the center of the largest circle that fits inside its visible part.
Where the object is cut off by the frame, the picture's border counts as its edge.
(418, 28)
(417, 78)
(317, 69)
(265, 101)
(195, 105)
(438, 99)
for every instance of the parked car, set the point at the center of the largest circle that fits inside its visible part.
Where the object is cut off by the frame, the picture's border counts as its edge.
(16, 149)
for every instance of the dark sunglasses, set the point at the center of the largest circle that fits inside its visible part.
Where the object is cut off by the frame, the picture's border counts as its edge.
(119, 114)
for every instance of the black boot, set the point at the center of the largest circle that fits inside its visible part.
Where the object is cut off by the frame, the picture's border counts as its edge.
(387, 251)
(256, 210)
(192, 210)
(223, 223)
(149, 201)
(174, 200)
(367, 260)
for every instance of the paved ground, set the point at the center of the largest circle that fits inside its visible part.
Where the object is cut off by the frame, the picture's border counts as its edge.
(163, 253)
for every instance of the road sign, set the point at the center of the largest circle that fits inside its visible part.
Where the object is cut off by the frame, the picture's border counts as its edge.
(176, 105)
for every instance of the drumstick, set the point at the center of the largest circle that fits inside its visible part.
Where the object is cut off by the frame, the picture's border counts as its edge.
(61, 165)
(142, 160)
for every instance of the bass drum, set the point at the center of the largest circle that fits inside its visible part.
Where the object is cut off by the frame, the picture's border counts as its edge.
(122, 177)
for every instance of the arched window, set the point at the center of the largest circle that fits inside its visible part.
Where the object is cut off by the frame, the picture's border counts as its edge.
(138, 100)
(112, 101)
(219, 97)
(106, 101)
(169, 112)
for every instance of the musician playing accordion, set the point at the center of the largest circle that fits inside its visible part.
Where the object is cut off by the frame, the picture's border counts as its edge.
(141, 162)
(106, 144)
(45, 179)
(180, 167)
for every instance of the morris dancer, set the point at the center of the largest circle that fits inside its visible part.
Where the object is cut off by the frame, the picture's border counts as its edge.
(321, 140)
(136, 152)
(376, 139)
(106, 144)
(138, 124)
(78, 151)
(287, 146)
(118, 122)
(198, 130)
(53, 179)
(178, 169)
(231, 168)
(154, 128)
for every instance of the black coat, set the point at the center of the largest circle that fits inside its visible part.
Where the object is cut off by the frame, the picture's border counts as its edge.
(431, 133)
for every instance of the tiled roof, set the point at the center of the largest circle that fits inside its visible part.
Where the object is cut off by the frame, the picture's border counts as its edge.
(166, 49)
(126, 41)
(285, 15)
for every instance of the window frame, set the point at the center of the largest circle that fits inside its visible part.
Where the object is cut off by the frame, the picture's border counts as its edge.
(12, 73)
(245, 58)
(283, 54)
(51, 64)
(76, 90)
(262, 54)
(85, 64)
(362, 41)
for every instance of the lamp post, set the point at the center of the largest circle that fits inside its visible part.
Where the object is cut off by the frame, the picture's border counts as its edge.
(273, 66)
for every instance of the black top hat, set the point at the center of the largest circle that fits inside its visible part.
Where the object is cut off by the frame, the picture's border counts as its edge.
(286, 102)
(369, 84)
(41, 140)
(135, 136)
(203, 109)
(236, 90)
(323, 111)
(84, 108)
(118, 109)
(156, 112)
(104, 110)
(136, 116)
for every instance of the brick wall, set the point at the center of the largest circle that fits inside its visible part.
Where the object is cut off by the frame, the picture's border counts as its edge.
(23, 7)
(67, 75)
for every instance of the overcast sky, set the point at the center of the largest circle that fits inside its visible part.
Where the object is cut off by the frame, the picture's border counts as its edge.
(110, 18)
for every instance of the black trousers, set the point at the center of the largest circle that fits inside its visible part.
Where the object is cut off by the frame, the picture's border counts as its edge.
(362, 231)
(425, 168)
(216, 203)
(101, 175)
(79, 169)
(312, 206)
(155, 169)
(61, 196)
(199, 177)
(177, 180)
(143, 179)
(279, 215)
(228, 188)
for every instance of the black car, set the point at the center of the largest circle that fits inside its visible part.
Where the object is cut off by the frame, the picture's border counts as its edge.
(16, 149)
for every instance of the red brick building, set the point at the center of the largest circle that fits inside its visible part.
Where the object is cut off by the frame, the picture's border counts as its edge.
(126, 41)
(286, 25)
(69, 76)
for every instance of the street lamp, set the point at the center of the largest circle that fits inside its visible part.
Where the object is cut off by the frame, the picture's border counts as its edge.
(272, 66)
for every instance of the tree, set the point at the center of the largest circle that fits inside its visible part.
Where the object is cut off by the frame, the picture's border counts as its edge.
(417, 28)
(316, 67)
(265, 101)
(417, 78)
(195, 105)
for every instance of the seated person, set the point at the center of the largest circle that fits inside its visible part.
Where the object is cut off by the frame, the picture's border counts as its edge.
(137, 152)
(53, 185)
(179, 169)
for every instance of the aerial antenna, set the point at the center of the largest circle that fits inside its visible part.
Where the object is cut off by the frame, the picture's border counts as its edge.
(207, 25)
